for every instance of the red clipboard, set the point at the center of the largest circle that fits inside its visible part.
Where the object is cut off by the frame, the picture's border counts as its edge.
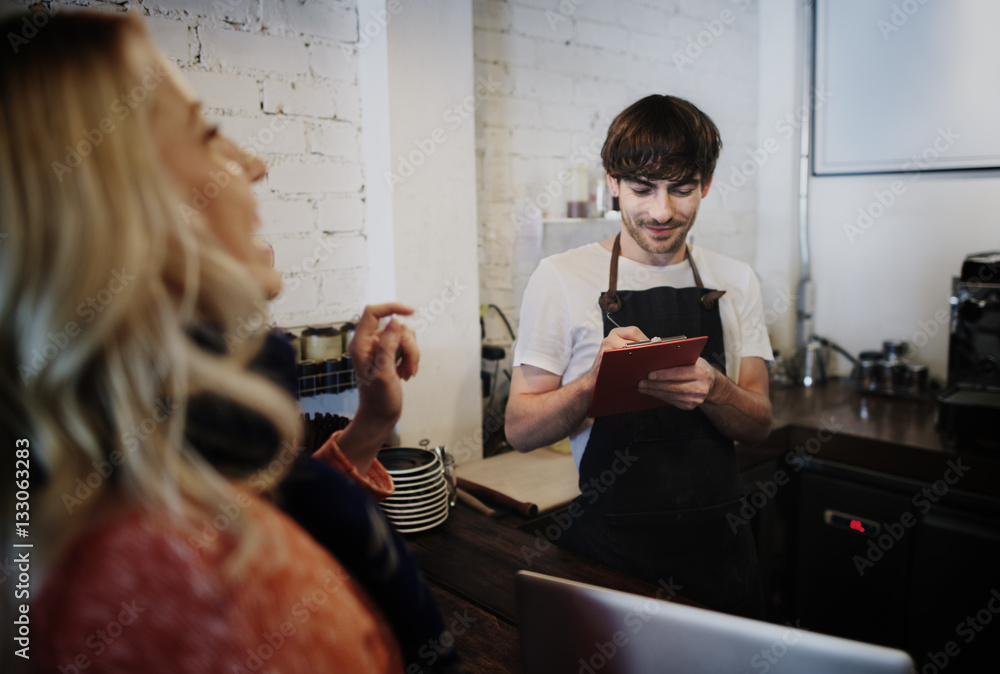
(623, 368)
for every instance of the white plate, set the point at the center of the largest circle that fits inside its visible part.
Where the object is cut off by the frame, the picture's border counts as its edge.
(412, 528)
(417, 481)
(403, 507)
(411, 507)
(423, 491)
(423, 471)
(407, 508)
(405, 520)
(410, 459)
(405, 498)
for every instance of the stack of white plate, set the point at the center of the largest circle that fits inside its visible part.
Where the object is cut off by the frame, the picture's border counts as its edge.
(420, 501)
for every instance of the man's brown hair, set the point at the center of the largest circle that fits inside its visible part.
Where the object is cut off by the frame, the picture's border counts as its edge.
(662, 138)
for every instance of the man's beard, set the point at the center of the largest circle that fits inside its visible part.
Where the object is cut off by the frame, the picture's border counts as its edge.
(676, 241)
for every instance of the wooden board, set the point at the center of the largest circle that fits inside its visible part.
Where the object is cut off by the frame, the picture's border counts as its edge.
(543, 477)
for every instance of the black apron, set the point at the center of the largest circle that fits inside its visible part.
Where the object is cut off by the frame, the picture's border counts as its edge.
(656, 485)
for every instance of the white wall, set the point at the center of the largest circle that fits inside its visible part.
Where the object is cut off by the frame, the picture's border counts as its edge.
(780, 118)
(884, 278)
(893, 280)
(432, 182)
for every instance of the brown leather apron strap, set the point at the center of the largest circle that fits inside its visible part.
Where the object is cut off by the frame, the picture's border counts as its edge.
(708, 300)
(609, 301)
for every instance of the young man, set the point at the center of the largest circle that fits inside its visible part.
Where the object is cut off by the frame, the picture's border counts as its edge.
(656, 485)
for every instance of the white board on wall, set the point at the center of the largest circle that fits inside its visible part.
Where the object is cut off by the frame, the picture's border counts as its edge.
(906, 85)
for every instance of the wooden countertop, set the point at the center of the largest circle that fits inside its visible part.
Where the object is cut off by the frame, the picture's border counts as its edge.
(910, 422)
(867, 431)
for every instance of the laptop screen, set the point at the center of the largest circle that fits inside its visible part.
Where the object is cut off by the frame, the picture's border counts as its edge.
(569, 627)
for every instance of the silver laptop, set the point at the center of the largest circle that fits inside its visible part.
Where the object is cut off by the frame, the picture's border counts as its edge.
(573, 628)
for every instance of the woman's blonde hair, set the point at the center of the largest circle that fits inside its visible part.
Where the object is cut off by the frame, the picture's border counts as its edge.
(101, 277)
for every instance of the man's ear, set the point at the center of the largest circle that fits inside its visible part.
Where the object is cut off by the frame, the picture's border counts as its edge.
(612, 185)
(704, 190)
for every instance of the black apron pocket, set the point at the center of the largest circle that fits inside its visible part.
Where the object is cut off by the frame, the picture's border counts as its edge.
(671, 423)
(703, 552)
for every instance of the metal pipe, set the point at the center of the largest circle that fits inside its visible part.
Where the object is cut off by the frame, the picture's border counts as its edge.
(806, 293)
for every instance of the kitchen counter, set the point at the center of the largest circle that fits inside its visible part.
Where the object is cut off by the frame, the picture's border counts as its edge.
(471, 560)
(836, 424)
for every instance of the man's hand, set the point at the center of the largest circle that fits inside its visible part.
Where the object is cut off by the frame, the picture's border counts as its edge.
(541, 411)
(684, 387)
(616, 339)
(740, 411)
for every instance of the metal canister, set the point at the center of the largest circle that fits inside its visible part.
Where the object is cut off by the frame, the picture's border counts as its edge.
(323, 343)
(894, 350)
(307, 371)
(914, 378)
(867, 373)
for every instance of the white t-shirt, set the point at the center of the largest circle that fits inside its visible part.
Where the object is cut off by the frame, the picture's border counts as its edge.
(561, 325)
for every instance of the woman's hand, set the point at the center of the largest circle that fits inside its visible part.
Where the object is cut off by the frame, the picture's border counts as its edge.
(382, 359)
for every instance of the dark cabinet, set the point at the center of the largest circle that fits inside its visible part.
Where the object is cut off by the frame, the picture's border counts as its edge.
(954, 616)
(877, 560)
(850, 581)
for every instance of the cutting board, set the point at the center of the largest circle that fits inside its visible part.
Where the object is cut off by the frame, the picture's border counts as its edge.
(545, 478)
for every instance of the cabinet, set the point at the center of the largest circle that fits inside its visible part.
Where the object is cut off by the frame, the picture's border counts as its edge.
(849, 582)
(954, 583)
(925, 579)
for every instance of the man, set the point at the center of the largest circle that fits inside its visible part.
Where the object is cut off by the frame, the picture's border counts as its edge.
(656, 485)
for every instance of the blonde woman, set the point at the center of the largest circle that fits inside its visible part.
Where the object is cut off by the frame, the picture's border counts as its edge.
(112, 261)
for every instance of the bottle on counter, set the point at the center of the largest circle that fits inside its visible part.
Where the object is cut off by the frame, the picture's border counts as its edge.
(577, 193)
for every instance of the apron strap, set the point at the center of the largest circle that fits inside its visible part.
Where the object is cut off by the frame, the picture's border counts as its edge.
(708, 300)
(609, 301)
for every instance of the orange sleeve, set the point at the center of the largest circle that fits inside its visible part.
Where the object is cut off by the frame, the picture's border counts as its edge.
(377, 481)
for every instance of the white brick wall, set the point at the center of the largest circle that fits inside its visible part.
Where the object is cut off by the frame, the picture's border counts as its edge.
(337, 22)
(233, 11)
(572, 66)
(229, 49)
(334, 139)
(297, 98)
(280, 76)
(638, 17)
(321, 252)
(314, 177)
(340, 213)
(230, 93)
(285, 216)
(174, 37)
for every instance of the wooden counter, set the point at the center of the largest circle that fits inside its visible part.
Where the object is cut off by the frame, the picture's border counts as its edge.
(894, 436)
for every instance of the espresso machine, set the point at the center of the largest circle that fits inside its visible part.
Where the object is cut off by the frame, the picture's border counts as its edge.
(970, 405)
